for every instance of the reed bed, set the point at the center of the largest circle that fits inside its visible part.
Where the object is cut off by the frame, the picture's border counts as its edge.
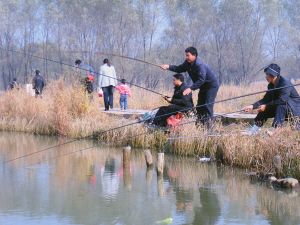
(66, 110)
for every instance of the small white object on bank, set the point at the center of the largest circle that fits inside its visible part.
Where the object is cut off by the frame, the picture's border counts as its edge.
(205, 159)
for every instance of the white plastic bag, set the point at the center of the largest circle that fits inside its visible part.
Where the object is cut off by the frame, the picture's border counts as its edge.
(100, 92)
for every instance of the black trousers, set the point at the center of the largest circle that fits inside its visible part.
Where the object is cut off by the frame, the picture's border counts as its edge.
(205, 113)
(160, 118)
(279, 112)
(108, 96)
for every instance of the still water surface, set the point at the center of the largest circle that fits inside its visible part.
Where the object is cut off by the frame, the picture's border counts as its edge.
(91, 187)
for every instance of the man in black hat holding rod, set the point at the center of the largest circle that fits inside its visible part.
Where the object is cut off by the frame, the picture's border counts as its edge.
(279, 104)
(203, 78)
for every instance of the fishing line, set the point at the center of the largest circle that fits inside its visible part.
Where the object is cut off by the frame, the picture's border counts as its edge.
(90, 147)
(72, 66)
(144, 120)
(133, 136)
(117, 55)
(59, 156)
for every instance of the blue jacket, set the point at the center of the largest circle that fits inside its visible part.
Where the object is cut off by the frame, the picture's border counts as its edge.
(200, 73)
(285, 96)
(86, 70)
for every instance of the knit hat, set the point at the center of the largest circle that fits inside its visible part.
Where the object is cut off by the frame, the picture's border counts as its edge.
(273, 70)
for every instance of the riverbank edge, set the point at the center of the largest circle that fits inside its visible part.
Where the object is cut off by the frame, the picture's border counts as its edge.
(235, 151)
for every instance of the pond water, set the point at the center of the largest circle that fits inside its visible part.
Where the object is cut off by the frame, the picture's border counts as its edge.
(91, 187)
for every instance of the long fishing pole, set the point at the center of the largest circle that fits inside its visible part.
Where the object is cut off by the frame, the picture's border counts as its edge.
(121, 56)
(144, 120)
(140, 60)
(89, 147)
(72, 66)
(131, 137)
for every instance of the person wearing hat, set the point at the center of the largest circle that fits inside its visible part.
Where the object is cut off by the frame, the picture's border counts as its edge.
(280, 104)
(38, 83)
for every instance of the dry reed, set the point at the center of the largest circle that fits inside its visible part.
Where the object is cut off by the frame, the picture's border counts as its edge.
(68, 111)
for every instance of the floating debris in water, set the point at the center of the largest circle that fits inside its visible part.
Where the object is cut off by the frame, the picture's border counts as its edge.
(205, 159)
(165, 221)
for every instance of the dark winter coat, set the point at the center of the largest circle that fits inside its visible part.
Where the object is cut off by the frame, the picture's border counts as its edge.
(38, 82)
(200, 73)
(185, 101)
(285, 96)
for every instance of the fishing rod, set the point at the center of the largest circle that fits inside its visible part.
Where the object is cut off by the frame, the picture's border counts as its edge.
(144, 120)
(89, 148)
(69, 153)
(121, 56)
(133, 136)
(72, 66)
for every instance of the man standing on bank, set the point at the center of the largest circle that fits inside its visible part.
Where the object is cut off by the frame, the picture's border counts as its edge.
(203, 78)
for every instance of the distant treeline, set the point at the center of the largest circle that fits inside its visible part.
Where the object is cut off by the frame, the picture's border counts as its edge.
(235, 37)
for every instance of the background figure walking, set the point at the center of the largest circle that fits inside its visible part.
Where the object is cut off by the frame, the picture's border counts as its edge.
(87, 76)
(124, 91)
(38, 84)
(107, 81)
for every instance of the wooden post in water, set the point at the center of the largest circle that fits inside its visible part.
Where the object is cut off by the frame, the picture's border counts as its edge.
(160, 185)
(278, 165)
(126, 168)
(126, 156)
(149, 163)
(148, 158)
(160, 163)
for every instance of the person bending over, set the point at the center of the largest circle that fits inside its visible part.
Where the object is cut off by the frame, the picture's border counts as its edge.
(204, 79)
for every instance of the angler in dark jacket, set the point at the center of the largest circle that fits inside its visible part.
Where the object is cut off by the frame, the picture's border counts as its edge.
(279, 104)
(203, 78)
(38, 83)
(179, 102)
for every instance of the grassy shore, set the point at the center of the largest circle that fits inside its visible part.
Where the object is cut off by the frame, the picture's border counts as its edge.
(68, 111)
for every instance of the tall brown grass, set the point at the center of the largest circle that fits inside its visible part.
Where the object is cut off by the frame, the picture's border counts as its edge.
(67, 110)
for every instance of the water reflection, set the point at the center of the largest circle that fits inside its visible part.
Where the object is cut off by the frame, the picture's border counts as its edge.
(110, 179)
(93, 187)
(210, 210)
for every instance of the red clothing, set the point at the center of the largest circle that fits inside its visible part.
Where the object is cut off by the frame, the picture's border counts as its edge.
(123, 89)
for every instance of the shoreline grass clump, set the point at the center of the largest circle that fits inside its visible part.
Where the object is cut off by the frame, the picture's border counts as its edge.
(66, 110)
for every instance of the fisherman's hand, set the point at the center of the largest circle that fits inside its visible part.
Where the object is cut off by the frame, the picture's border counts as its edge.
(167, 98)
(248, 108)
(261, 108)
(187, 91)
(164, 66)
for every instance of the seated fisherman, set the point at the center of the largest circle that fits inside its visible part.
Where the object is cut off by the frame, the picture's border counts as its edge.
(178, 102)
(279, 104)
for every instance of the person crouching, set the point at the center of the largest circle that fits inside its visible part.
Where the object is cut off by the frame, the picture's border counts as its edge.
(281, 103)
(179, 102)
